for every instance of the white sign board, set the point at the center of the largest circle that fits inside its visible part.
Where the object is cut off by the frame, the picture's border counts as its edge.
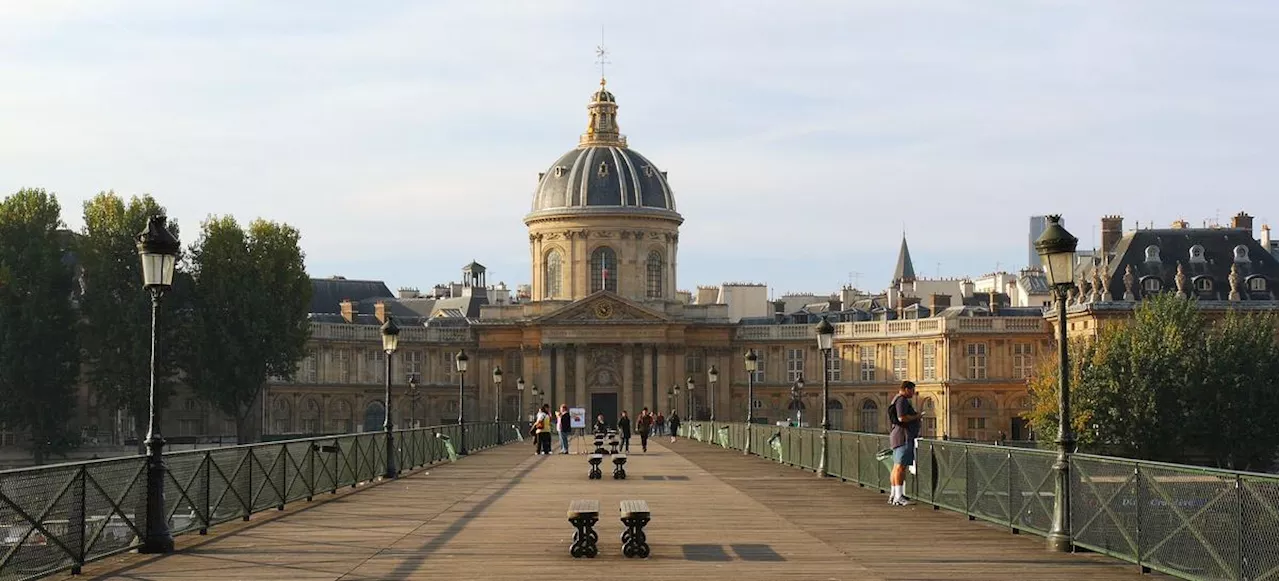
(578, 418)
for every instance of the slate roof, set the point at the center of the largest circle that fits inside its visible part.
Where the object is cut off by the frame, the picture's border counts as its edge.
(1175, 247)
(327, 294)
(904, 270)
(603, 176)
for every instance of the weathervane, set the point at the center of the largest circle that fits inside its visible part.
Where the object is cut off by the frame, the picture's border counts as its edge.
(602, 54)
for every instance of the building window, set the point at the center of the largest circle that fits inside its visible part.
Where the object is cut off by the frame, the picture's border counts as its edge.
(653, 275)
(930, 427)
(870, 416)
(189, 428)
(976, 423)
(604, 270)
(929, 355)
(833, 365)
(310, 417)
(867, 363)
(413, 362)
(447, 364)
(899, 362)
(375, 365)
(1197, 253)
(693, 363)
(1152, 253)
(344, 366)
(1240, 253)
(1257, 283)
(340, 418)
(974, 403)
(761, 365)
(1023, 355)
(977, 356)
(1204, 284)
(280, 416)
(551, 275)
(1151, 284)
(309, 369)
(795, 364)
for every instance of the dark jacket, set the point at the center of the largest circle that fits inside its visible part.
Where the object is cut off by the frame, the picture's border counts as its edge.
(624, 426)
(599, 427)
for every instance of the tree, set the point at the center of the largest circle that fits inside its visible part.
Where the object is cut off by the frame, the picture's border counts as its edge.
(250, 304)
(1168, 385)
(116, 311)
(38, 351)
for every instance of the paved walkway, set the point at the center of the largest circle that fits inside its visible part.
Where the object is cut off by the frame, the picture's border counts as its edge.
(500, 514)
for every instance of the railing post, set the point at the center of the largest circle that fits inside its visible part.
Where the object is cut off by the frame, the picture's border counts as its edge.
(247, 500)
(933, 477)
(282, 491)
(1009, 468)
(311, 470)
(1240, 557)
(968, 486)
(77, 520)
(208, 480)
(1138, 495)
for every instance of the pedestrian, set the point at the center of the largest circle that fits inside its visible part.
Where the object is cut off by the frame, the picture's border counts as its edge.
(599, 427)
(902, 438)
(660, 424)
(674, 423)
(542, 424)
(624, 428)
(644, 424)
(566, 427)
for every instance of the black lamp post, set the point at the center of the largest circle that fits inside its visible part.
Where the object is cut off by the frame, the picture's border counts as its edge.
(673, 395)
(1057, 249)
(520, 404)
(690, 405)
(413, 400)
(713, 376)
(675, 389)
(158, 250)
(537, 401)
(461, 361)
(390, 340)
(497, 395)
(749, 363)
(797, 392)
(825, 333)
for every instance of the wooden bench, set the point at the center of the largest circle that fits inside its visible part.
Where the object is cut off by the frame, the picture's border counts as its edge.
(594, 472)
(619, 472)
(583, 515)
(635, 515)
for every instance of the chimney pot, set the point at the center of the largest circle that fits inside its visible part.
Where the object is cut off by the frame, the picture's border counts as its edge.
(1112, 230)
(1242, 221)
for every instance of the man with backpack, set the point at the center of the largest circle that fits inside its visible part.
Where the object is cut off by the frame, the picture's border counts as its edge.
(902, 438)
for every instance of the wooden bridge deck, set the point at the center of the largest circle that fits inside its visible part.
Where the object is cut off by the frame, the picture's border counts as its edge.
(500, 514)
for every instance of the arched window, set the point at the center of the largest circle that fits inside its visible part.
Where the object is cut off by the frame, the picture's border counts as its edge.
(604, 270)
(1151, 284)
(870, 419)
(340, 418)
(551, 275)
(309, 417)
(1257, 284)
(1241, 253)
(280, 416)
(653, 275)
(835, 411)
(1203, 284)
(1197, 253)
(974, 403)
(375, 414)
(1152, 253)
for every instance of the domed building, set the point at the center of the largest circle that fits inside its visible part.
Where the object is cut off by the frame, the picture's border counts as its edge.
(603, 218)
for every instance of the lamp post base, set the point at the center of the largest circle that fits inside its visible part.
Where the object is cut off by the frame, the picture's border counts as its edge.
(1059, 543)
(157, 538)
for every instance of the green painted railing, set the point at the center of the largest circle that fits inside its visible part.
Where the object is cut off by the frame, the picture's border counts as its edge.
(1186, 521)
(59, 517)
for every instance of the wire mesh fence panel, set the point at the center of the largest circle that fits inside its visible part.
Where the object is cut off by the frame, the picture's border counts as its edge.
(114, 506)
(924, 480)
(38, 509)
(300, 475)
(988, 487)
(264, 479)
(949, 462)
(1259, 499)
(1105, 506)
(1191, 522)
(226, 479)
(1032, 476)
(184, 491)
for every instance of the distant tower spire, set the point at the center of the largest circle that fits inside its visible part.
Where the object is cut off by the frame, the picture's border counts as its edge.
(904, 271)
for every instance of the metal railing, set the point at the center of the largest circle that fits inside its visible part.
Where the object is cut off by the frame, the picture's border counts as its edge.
(59, 517)
(1186, 521)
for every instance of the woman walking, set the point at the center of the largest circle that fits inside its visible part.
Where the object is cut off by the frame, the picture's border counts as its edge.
(674, 422)
(624, 429)
(644, 424)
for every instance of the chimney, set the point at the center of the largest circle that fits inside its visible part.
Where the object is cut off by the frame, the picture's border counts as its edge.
(1112, 229)
(966, 288)
(1179, 225)
(1242, 221)
(1265, 240)
(835, 305)
(993, 302)
(779, 309)
(380, 311)
(349, 310)
(937, 303)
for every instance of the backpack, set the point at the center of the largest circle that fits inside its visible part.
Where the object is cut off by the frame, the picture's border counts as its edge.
(893, 412)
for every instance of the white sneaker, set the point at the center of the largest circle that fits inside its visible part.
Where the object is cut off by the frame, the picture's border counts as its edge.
(902, 502)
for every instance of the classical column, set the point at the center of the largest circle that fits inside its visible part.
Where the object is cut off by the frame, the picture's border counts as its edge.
(580, 378)
(625, 398)
(560, 377)
(664, 376)
(646, 388)
(676, 369)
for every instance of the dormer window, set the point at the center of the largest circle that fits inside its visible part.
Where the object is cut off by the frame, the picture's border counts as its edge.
(1197, 253)
(1151, 284)
(1257, 284)
(604, 169)
(1153, 253)
(1204, 284)
(1241, 253)
(559, 171)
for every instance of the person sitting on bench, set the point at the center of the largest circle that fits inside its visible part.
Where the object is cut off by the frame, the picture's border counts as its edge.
(599, 427)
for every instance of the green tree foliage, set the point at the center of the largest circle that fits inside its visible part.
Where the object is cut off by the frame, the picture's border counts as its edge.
(38, 352)
(250, 304)
(116, 311)
(1170, 385)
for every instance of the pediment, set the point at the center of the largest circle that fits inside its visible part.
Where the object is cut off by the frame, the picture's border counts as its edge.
(603, 307)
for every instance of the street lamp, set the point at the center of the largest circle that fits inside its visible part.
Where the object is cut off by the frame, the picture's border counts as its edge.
(797, 392)
(158, 250)
(461, 361)
(537, 401)
(1057, 249)
(390, 340)
(749, 362)
(672, 394)
(520, 388)
(688, 396)
(497, 398)
(825, 332)
(713, 376)
(413, 400)
(675, 388)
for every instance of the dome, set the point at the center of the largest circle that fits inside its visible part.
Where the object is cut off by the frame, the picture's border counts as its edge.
(603, 176)
(602, 173)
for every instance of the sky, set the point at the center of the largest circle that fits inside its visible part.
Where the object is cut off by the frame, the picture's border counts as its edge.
(802, 139)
